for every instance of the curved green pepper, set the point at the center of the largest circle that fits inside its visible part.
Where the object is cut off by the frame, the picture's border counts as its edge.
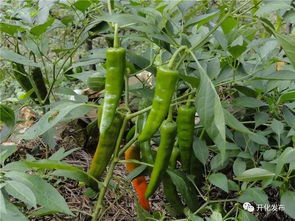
(39, 84)
(169, 187)
(165, 85)
(168, 133)
(21, 77)
(115, 71)
(185, 133)
(106, 146)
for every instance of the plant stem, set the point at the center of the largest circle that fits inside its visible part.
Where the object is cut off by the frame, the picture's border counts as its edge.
(116, 38)
(174, 56)
(127, 145)
(99, 203)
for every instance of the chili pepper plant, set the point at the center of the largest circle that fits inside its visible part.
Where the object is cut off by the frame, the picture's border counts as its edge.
(194, 98)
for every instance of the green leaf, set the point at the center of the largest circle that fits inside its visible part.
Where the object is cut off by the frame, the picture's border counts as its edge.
(284, 159)
(61, 153)
(215, 216)
(255, 174)
(136, 172)
(52, 164)
(289, 117)
(7, 115)
(20, 191)
(255, 194)
(12, 213)
(202, 19)
(210, 110)
(228, 24)
(278, 75)
(288, 44)
(288, 200)
(286, 97)
(248, 102)
(17, 58)
(80, 176)
(201, 150)
(271, 7)
(54, 116)
(45, 194)
(82, 5)
(232, 122)
(6, 151)
(219, 180)
(10, 29)
(269, 154)
(246, 216)
(258, 138)
(185, 188)
(260, 118)
(277, 126)
(2, 204)
(239, 166)
(40, 29)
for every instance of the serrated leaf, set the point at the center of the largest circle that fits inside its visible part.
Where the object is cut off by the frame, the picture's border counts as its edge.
(255, 174)
(219, 180)
(22, 192)
(45, 194)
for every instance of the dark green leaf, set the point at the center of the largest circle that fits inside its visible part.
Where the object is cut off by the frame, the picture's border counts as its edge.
(82, 5)
(255, 194)
(289, 117)
(232, 122)
(201, 150)
(248, 102)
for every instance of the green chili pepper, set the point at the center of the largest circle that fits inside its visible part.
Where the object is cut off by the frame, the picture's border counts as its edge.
(169, 187)
(113, 85)
(145, 147)
(21, 77)
(106, 146)
(96, 81)
(185, 132)
(166, 79)
(168, 133)
(39, 84)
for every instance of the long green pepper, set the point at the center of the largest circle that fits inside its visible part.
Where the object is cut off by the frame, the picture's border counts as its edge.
(168, 133)
(169, 187)
(115, 70)
(39, 84)
(185, 132)
(166, 79)
(106, 146)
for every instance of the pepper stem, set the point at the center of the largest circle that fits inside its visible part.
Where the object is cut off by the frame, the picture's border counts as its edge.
(188, 103)
(170, 114)
(174, 56)
(116, 38)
